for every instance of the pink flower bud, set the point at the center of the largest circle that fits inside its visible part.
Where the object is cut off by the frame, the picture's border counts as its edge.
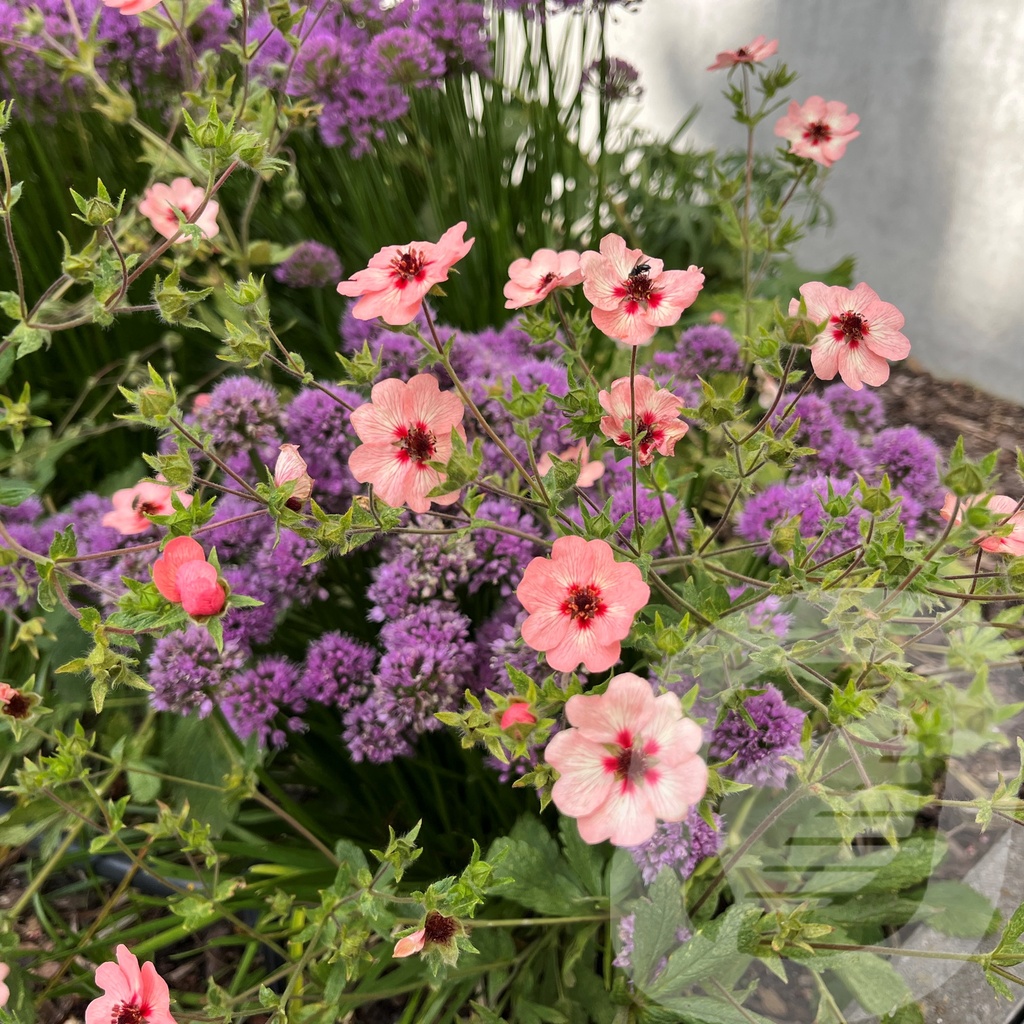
(291, 465)
(518, 713)
(410, 944)
(201, 591)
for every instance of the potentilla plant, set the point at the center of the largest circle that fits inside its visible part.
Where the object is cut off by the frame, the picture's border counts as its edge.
(676, 581)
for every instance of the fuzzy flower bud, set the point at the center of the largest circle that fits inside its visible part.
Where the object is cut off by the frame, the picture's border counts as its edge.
(290, 465)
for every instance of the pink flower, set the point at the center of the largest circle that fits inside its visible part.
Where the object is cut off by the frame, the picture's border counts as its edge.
(1001, 505)
(590, 472)
(291, 465)
(404, 427)
(7, 692)
(629, 760)
(132, 6)
(632, 294)
(862, 333)
(658, 425)
(398, 277)
(533, 280)
(581, 603)
(410, 944)
(130, 995)
(133, 504)
(183, 575)
(5, 992)
(516, 714)
(818, 130)
(437, 931)
(753, 53)
(160, 202)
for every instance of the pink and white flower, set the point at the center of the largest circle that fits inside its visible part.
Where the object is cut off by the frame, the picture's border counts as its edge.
(861, 334)
(132, 6)
(753, 53)
(581, 603)
(290, 466)
(398, 277)
(133, 504)
(184, 576)
(629, 760)
(533, 280)
(160, 200)
(818, 130)
(658, 425)
(1001, 505)
(403, 428)
(590, 471)
(131, 995)
(632, 294)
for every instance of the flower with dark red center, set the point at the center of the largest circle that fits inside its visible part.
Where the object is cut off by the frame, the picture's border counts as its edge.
(133, 504)
(404, 427)
(533, 280)
(581, 603)
(861, 333)
(632, 294)
(438, 931)
(753, 53)
(131, 995)
(658, 426)
(629, 759)
(818, 130)
(14, 703)
(397, 278)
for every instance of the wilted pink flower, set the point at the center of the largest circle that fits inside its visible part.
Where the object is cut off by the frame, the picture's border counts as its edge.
(398, 277)
(629, 759)
(6, 692)
(160, 200)
(581, 604)
(753, 53)
(132, 6)
(632, 294)
(437, 930)
(533, 280)
(590, 472)
(658, 425)
(183, 575)
(861, 334)
(133, 504)
(5, 992)
(818, 130)
(130, 995)
(16, 704)
(404, 427)
(517, 713)
(1001, 505)
(291, 465)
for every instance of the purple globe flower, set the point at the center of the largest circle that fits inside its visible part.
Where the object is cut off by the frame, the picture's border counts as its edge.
(311, 265)
(678, 845)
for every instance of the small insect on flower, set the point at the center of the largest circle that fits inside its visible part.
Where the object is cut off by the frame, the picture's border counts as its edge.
(640, 268)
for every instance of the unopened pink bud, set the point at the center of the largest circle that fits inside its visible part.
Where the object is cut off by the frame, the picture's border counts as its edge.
(518, 713)
(292, 466)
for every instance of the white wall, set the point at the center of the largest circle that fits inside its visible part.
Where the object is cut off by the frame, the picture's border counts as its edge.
(930, 198)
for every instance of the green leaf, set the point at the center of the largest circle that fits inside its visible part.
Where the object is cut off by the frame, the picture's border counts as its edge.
(583, 858)
(659, 916)
(956, 909)
(872, 981)
(13, 493)
(703, 1010)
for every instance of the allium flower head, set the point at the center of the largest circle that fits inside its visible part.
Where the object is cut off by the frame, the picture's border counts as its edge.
(133, 504)
(183, 575)
(405, 56)
(629, 759)
(590, 471)
(312, 265)
(753, 53)
(632, 294)
(679, 845)
(818, 130)
(759, 749)
(658, 426)
(998, 504)
(533, 280)
(581, 604)
(404, 427)
(131, 995)
(160, 202)
(861, 334)
(398, 277)
(621, 81)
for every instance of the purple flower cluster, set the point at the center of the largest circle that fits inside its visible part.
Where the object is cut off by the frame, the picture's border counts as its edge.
(359, 68)
(759, 748)
(622, 80)
(311, 265)
(187, 674)
(701, 351)
(253, 698)
(337, 670)
(678, 845)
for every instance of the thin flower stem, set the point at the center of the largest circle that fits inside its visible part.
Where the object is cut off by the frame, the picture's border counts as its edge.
(766, 418)
(572, 342)
(748, 182)
(295, 372)
(213, 457)
(638, 532)
(5, 209)
(274, 808)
